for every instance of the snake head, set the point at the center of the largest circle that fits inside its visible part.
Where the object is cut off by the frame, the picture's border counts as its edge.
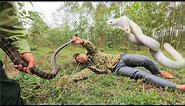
(111, 22)
(121, 22)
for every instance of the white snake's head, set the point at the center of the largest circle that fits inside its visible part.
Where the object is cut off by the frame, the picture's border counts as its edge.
(112, 22)
(121, 22)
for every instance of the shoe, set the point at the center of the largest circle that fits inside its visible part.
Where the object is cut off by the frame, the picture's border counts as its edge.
(166, 75)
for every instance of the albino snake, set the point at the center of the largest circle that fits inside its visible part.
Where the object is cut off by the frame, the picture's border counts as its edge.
(138, 37)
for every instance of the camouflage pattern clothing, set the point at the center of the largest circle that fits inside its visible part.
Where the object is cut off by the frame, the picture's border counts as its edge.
(98, 62)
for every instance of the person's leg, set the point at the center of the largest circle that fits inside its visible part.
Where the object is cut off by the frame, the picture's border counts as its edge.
(134, 60)
(9, 90)
(135, 73)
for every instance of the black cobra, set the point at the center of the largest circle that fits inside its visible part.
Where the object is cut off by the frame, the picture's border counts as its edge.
(12, 52)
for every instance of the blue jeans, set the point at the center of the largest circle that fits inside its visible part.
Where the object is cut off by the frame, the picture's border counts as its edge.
(127, 67)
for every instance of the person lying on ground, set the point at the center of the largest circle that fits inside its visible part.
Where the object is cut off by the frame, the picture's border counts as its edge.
(123, 65)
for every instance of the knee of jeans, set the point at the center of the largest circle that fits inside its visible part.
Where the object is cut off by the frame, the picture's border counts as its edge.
(139, 74)
(135, 75)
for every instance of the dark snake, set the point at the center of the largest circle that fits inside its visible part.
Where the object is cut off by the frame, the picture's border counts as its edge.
(12, 52)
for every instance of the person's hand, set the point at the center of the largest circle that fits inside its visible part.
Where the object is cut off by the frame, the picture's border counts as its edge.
(28, 58)
(77, 40)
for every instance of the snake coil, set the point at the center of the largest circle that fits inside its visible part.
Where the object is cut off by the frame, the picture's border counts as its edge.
(138, 37)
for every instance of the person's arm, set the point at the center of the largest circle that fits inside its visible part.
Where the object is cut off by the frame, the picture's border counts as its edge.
(12, 28)
(80, 75)
(89, 46)
(99, 71)
(66, 79)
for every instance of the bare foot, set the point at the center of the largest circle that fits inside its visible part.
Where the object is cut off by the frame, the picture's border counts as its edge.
(166, 75)
(181, 87)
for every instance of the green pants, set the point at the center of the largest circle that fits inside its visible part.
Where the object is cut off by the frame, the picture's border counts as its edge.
(10, 90)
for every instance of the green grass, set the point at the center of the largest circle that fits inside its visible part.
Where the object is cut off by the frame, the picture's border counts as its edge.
(97, 88)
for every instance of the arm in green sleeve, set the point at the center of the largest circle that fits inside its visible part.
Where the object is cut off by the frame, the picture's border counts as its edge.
(90, 47)
(11, 27)
(81, 75)
(99, 71)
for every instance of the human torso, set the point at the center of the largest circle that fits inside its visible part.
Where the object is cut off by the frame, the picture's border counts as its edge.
(104, 61)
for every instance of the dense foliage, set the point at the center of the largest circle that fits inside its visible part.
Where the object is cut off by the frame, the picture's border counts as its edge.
(164, 21)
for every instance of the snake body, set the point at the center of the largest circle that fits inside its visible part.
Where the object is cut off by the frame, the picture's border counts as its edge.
(138, 37)
(14, 56)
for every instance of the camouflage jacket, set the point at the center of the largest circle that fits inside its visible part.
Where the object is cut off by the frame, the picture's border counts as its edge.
(98, 62)
(11, 27)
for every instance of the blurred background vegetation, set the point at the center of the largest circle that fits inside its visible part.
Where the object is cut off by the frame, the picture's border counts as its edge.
(163, 21)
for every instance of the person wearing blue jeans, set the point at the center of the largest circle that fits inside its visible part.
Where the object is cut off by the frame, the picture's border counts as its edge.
(125, 65)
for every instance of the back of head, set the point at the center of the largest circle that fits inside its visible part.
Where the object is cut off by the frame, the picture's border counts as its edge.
(74, 58)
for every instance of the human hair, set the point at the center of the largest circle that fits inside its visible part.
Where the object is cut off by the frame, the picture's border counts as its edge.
(75, 62)
(74, 58)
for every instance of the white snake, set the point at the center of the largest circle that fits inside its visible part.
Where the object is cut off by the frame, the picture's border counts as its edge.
(138, 37)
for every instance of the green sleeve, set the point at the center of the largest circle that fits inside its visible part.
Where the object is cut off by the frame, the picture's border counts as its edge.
(90, 47)
(99, 71)
(81, 75)
(11, 27)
